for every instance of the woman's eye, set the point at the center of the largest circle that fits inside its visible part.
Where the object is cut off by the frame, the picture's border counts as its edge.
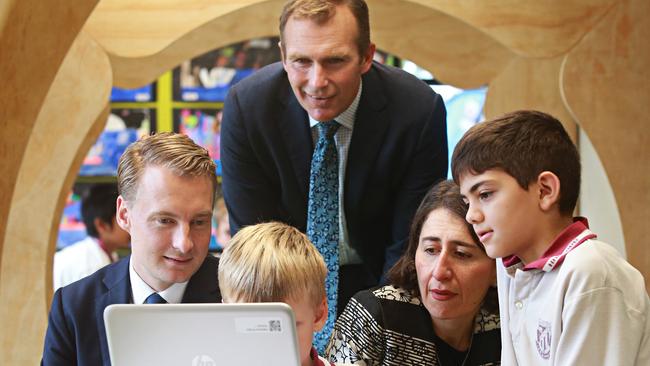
(431, 250)
(463, 255)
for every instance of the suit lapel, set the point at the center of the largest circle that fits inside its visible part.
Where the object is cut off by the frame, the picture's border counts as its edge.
(118, 291)
(294, 126)
(370, 128)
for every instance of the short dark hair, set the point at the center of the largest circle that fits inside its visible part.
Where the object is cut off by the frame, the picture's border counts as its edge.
(98, 202)
(523, 144)
(445, 194)
(321, 11)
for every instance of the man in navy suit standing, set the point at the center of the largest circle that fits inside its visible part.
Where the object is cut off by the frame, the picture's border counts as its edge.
(391, 142)
(166, 184)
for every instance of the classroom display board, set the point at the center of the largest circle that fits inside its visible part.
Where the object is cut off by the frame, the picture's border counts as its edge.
(208, 77)
(72, 228)
(123, 127)
(204, 127)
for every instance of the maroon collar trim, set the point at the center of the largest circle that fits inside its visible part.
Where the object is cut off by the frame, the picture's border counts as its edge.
(569, 239)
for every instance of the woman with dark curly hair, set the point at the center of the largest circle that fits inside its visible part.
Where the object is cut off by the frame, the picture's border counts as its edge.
(441, 305)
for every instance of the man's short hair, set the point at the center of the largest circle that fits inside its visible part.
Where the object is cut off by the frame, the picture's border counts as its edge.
(523, 144)
(271, 262)
(98, 202)
(173, 151)
(320, 11)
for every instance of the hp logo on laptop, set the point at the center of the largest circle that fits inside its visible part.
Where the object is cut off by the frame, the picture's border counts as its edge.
(203, 360)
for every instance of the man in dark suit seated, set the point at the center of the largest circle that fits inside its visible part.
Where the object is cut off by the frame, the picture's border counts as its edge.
(383, 144)
(166, 184)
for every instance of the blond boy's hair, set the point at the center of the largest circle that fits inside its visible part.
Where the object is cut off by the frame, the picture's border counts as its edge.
(271, 262)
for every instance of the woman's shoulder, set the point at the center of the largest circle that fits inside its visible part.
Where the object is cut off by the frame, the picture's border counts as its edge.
(378, 301)
(486, 321)
(391, 293)
(486, 343)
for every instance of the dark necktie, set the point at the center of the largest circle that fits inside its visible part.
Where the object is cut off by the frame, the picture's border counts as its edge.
(323, 218)
(155, 299)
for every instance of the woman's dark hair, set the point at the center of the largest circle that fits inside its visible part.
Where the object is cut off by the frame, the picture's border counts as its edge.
(445, 194)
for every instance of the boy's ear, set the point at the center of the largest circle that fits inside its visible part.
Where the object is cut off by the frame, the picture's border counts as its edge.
(122, 214)
(549, 190)
(321, 315)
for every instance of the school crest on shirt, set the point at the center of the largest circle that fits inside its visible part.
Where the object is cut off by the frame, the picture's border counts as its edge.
(543, 340)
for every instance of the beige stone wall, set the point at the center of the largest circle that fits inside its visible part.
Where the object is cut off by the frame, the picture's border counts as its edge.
(585, 61)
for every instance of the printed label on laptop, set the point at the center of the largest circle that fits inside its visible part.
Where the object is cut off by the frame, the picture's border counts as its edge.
(258, 325)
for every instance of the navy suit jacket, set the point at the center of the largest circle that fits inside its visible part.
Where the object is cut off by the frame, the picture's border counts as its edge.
(398, 150)
(76, 334)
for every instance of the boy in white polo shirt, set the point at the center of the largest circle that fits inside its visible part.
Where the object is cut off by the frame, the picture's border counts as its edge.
(565, 298)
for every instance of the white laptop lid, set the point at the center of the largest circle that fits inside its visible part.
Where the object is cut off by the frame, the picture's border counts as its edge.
(201, 334)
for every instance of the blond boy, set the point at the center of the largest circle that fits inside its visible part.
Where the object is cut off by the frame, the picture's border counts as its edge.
(565, 298)
(274, 262)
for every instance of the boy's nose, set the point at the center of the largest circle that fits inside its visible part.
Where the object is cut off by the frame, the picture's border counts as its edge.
(473, 215)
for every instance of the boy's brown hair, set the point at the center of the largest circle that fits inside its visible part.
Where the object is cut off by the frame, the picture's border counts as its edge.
(523, 144)
(271, 262)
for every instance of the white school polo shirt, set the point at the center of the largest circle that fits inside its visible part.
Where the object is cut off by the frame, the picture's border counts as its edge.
(581, 303)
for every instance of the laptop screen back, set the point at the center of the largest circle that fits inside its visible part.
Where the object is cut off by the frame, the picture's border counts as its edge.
(201, 334)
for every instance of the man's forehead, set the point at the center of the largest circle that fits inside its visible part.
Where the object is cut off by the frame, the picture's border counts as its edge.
(154, 179)
(342, 17)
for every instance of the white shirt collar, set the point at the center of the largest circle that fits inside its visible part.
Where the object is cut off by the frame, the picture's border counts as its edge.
(140, 290)
(346, 118)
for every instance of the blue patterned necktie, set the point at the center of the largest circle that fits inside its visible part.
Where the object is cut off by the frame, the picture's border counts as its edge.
(323, 218)
(155, 299)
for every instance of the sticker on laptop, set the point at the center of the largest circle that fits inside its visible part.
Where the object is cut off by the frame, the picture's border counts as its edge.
(258, 325)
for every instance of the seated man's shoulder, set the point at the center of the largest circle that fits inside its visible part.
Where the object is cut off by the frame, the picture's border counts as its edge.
(209, 267)
(210, 264)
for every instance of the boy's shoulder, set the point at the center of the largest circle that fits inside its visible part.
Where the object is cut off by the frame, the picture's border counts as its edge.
(596, 264)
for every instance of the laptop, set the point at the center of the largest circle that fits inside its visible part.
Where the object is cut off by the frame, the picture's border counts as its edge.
(201, 334)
